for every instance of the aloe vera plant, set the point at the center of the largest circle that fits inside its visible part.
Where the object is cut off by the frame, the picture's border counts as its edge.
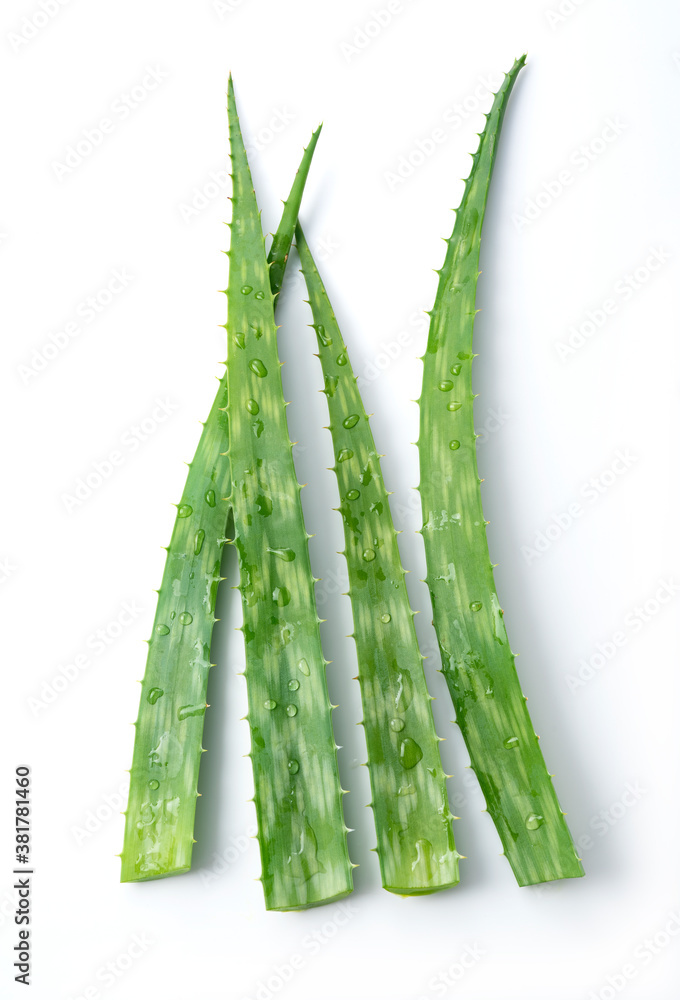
(416, 846)
(159, 827)
(476, 658)
(298, 798)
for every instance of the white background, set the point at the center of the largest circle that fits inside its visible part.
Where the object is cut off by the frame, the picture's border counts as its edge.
(558, 424)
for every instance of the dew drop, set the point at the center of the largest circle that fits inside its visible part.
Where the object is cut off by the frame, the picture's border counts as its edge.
(456, 369)
(476, 606)
(511, 742)
(291, 710)
(187, 711)
(270, 704)
(345, 454)
(533, 821)
(453, 406)
(351, 421)
(281, 596)
(154, 694)
(286, 555)
(463, 356)
(409, 753)
(368, 555)
(162, 629)
(396, 725)
(186, 618)
(199, 538)
(246, 290)
(186, 510)
(293, 685)
(259, 295)
(323, 336)
(446, 385)
(353, 495)
(386, 619)
(258, 367)
(303, 667)
(341, 360)
(454, 445)
(240, 340)
(154, 784)
(252, 407)
(293, 766)
(210, 498)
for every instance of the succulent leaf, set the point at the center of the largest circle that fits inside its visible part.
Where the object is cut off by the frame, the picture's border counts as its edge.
(477, 661)
(298, 798)
(159, 828)
(416, 847)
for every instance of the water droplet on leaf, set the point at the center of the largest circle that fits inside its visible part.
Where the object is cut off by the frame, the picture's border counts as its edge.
(293, 685)
(453, 405)
(187, 711)
(162, 629)
(270, 704)
(533, 821)
(291, 710)
(386, 619)
(454, 445)
(476, 606)
(210, 498)
(368, 555)
(154, 694)
(303, 667)
(252, 407)
(246, 290)
(446, 385)
(258, 367)
(396, 725)
(293, 766)
(186, 510)
(281, 596)
(409, 753)
(186, 618)
(353, 495)
(199, 538)
(345, 454)
(287, 555)
(351, 421)
(511, 742)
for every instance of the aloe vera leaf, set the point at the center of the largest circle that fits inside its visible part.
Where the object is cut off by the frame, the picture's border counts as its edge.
(283, 237)
(477, 661)
(416, 846)
(159, 828)
(298, 798)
